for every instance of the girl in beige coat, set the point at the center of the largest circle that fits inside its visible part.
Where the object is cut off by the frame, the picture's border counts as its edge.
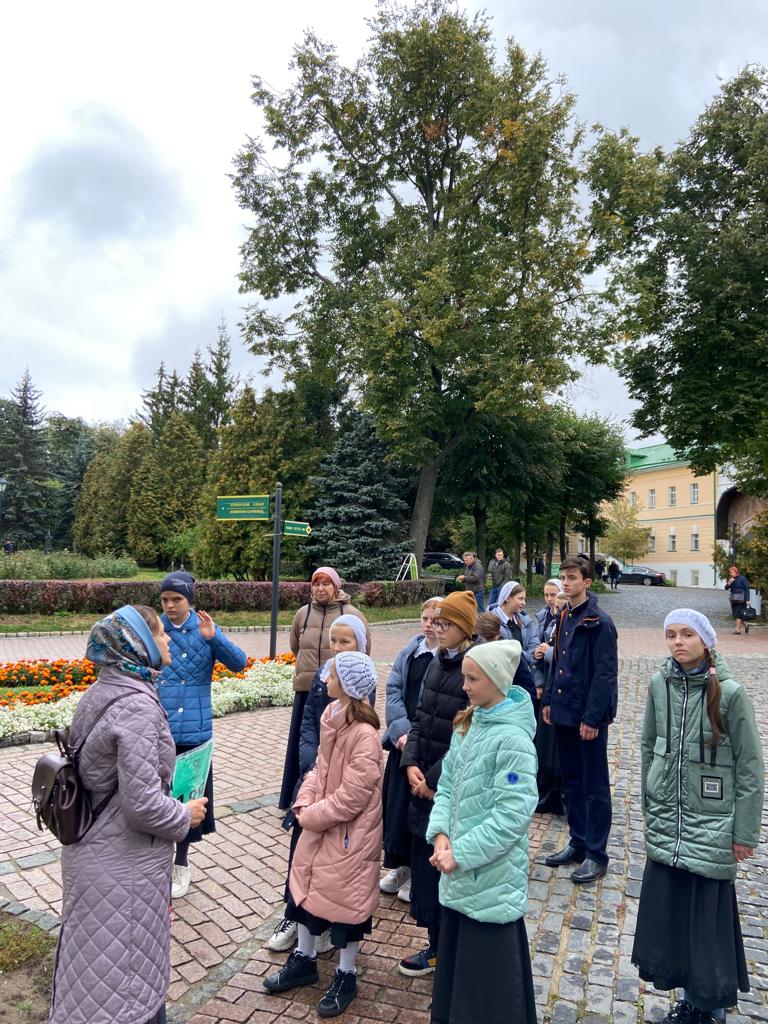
(334, 881)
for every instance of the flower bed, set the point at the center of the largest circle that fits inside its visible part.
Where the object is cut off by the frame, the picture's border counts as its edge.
(35, 714)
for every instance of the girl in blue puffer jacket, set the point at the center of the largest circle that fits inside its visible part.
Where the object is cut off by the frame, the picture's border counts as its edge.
(483, 807)
(197, 643)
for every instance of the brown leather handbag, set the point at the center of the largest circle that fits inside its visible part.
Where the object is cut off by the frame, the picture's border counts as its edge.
(61, 801)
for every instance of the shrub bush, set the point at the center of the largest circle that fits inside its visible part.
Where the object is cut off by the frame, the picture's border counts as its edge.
(44, 597)
(64, 565)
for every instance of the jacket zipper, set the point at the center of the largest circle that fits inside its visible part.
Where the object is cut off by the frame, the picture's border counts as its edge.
(680, 773)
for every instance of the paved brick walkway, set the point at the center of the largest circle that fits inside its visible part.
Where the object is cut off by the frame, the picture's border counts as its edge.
(580, 938)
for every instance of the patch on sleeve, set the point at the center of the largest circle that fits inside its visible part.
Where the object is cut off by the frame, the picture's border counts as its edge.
(513, 778)
(711, 787)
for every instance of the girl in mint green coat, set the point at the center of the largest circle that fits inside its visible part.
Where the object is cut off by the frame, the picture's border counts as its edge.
(483, 807)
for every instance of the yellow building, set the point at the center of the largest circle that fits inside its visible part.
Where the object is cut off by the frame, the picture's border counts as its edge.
(680, 510)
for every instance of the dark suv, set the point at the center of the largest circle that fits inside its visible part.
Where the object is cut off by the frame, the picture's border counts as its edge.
(444, 559)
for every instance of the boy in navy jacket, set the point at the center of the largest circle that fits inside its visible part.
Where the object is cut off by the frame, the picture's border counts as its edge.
(580, 700)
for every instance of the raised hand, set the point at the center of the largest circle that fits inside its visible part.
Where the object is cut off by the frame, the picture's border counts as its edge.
(207, 625)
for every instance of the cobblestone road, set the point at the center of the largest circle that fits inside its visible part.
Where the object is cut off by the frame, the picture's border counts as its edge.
(580, 938)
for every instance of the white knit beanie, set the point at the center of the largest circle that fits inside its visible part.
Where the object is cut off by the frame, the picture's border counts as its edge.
(356, 673)
(698, 622)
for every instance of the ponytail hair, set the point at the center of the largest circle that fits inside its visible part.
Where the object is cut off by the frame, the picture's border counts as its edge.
(463, 720)
(713, 702)
(361, 711)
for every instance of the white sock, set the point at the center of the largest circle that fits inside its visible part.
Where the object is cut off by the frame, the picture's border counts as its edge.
(348, 957)
(306, 943)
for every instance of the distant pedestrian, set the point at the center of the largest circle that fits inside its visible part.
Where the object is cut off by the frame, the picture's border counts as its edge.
(702, 783)
(500, 571)
(474, 578)
(404, 686)
(309, 642)
(347, 633)
(738, 585)
(614, 574)
(580, 701)
(197, 643)
(479, 824)
(334, 881)
(538, 566)
(9, 547)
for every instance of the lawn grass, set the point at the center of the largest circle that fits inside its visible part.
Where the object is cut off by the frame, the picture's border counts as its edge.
(72, 621)
(21, 942)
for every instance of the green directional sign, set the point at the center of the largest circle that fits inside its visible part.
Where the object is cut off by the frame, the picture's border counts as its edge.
(293, 529)
(242, 506)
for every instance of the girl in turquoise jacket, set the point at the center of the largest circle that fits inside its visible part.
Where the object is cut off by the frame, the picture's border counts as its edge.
(702, 797)
(483, 807)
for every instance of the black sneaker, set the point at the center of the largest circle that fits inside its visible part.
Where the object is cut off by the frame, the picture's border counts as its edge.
(418, 964)
(338, 997)
(683, 1013)
(296, 971)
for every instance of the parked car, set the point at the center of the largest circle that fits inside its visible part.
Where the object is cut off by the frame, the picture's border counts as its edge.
(642, 574)
(444, 559)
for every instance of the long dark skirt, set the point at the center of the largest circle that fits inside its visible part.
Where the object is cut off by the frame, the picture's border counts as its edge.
(396, 798)
(208, 824)
(159, 1018)
(688, 936)
(291, 767)
(548, 774)
(483, 973)
(341, 934)
(425, 889)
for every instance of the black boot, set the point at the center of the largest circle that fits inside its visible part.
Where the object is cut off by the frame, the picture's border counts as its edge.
(683, 1013)
(569, 855)
(341, 993)
(297, 970)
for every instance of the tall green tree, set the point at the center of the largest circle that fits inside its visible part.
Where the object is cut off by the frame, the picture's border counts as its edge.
(358, 516)
(425, 222)
(72, 444)
(624, 536)
(161, 400)
(268, 440)
(694, 273)
(29, 495)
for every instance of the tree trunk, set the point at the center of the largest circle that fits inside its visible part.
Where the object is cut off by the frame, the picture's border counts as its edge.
(481, 521)
(528, 545)
(548, 557)
(592, 543)
(563, 539)
(422, 506)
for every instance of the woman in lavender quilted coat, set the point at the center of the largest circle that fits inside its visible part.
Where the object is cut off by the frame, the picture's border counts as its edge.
(113, 957)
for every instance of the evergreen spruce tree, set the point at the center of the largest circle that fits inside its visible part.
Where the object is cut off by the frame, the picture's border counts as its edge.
(145, 520)
(159, 401)
(223, 385)
(27, 501)
(359, 518)
(194, 400)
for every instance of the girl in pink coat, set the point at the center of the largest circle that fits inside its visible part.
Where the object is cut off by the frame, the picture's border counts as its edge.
(334, 880)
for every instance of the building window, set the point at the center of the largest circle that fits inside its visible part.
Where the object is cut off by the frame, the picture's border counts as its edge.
(672, 540)
(651, 497)
(673, 575)
(633, 499)
(672, 495)
(694, 494)
(694, 538)
(694, 577)
(651, 542)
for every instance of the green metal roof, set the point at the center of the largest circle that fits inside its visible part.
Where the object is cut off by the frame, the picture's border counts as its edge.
(652, 457)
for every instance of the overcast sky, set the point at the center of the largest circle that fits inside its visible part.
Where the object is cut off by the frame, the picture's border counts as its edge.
(119, 231)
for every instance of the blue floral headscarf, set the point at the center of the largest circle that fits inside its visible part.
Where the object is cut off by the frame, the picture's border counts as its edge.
(124, 640)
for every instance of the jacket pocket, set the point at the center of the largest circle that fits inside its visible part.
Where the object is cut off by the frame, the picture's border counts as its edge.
(710, 786)
(658, 784)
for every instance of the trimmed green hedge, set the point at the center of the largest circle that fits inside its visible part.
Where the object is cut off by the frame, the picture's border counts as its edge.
(44, 597)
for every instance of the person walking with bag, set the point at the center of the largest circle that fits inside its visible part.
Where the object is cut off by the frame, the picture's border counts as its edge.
(738, 585)
(197, 643)
(334, 880)
(702, 784)
(113, 956)
(479, 824)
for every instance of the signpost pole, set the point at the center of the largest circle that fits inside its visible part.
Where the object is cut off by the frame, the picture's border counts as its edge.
(276, 537)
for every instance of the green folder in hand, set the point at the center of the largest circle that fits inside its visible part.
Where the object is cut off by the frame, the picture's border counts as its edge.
(191, 772)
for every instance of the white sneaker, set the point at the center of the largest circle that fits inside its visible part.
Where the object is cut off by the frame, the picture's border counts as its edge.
(283, 937)
(182, 876)
(323, 942)
(404, 892)
(395, 879)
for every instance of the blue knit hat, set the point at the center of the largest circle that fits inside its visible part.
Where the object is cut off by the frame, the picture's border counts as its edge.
(180, 583)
